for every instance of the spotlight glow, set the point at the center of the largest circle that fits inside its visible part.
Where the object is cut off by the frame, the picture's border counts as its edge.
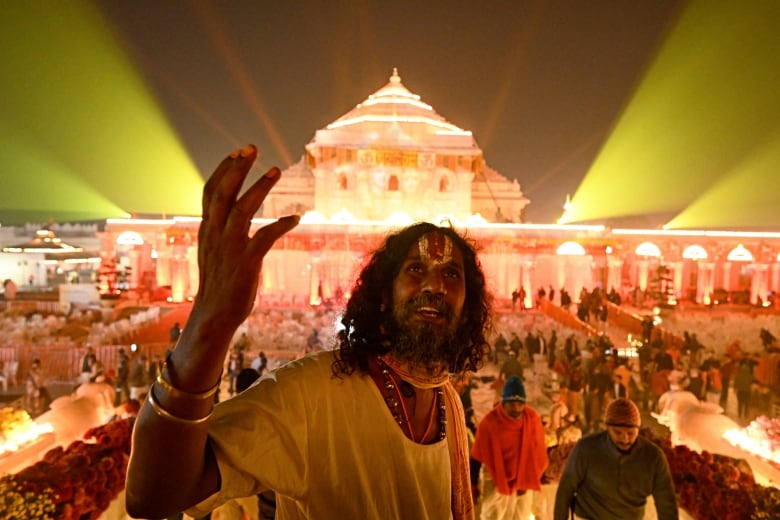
(701, 129)
(81, 137)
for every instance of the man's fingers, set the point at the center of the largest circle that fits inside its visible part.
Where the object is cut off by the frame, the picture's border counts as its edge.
(250, 201)
(225, 183)
(265, 237)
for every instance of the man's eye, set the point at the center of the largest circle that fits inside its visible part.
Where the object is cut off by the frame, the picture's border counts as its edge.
(452, 273)
(415, 268)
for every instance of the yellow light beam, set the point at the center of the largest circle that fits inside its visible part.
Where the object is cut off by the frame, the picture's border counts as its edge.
(707, 100)
(72, 96)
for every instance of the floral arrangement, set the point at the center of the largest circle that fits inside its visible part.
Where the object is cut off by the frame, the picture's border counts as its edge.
(556, 461)
(709, 486)
(17, 429)
(761, 437)
(75, 483)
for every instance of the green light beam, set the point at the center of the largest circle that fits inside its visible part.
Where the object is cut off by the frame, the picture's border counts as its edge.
(710, 96)
(722, 206)
(41, 186)
(77, 101)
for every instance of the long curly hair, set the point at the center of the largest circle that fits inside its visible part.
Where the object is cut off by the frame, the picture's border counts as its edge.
(368, 311)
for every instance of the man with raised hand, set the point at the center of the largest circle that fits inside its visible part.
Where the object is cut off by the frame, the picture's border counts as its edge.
(371, 430)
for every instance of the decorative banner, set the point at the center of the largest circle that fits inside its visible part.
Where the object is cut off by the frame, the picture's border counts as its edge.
(405, 159)
(367, 157)
(391, 157)
(426, 160)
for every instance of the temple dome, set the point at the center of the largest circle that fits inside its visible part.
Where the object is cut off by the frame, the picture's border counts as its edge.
(395, 116)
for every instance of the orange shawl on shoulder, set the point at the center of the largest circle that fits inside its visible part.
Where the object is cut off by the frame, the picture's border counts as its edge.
(513, 450)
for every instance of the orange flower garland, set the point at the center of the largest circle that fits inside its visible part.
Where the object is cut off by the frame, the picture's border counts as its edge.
(74, 483)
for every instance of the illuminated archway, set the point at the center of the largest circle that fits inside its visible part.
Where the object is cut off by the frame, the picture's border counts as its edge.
(740, 254)
(570, 249)
(648, 249)
(645, 251)
(695, 252)
(130, 238)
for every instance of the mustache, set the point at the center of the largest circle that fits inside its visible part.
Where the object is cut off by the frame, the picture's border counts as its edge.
(430, 300)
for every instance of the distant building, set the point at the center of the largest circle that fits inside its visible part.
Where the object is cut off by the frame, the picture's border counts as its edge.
(391, 161)
(393, 157)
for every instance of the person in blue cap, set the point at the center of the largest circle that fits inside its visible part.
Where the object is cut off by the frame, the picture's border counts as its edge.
(510, 445)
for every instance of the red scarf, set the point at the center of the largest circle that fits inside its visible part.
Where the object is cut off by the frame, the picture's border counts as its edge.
(513, 450)
(457, 436)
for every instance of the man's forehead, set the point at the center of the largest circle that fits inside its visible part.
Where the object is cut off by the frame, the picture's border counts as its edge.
(436, 246)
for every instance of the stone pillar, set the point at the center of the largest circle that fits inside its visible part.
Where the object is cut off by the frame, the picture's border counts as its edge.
(135, 267)
(164, 266)
(705, 282)
(315, 279)
(193, 280)
(758, 283)
(614, 273)
(561, 272)
(677, 278)
(642, 266)
(727, 276)
(179, 268)
(527, 267)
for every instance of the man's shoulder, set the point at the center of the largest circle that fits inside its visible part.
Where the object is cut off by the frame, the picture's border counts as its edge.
(531, 412)
(490, 417)
(588, 443)
(650, 448)
(312, 362)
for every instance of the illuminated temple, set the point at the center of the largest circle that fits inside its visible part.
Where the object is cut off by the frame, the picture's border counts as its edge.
(393, 160)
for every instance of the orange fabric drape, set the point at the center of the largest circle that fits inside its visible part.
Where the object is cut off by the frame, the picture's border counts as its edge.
(512, 450)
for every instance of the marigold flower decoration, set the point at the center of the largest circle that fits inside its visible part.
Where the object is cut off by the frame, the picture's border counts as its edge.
(78, 482)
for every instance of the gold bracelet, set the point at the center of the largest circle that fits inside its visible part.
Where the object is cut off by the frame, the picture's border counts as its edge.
(181, 394)
(165, 414)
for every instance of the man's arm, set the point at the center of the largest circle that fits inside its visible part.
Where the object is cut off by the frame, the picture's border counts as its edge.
(171, 464)
(664, 495)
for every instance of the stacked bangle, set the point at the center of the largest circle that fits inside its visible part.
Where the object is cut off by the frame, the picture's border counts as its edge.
(181, 394)
(165, 414)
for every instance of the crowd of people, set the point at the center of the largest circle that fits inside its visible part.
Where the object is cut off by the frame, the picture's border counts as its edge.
(418, 316)
(364, 417)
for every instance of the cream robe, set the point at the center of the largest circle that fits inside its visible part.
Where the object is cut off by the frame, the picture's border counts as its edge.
(329, 447)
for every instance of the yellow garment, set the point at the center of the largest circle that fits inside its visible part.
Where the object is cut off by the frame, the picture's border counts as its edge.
(329, 447)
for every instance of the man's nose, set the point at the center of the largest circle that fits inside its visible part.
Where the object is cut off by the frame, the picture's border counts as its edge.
(434, 282)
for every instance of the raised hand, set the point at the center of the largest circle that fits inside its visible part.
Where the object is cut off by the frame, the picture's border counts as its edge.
(228, 258)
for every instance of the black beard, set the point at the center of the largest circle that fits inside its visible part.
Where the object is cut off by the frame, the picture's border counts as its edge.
(423, 344)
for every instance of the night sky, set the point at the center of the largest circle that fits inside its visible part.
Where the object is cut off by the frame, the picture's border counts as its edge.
(540, 84)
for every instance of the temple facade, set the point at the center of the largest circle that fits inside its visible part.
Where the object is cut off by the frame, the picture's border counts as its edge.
(392, 158)
(391, 161)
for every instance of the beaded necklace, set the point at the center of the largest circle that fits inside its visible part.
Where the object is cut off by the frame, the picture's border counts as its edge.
(397, 406)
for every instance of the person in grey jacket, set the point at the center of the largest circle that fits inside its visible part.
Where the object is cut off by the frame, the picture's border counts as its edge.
(610, 474)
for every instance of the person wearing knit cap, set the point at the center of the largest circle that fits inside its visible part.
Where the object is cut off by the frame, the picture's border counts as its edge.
(509, 456)
(611, 473)
(622, 412)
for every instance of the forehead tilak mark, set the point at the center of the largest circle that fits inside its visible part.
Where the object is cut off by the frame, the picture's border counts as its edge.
(435, 247)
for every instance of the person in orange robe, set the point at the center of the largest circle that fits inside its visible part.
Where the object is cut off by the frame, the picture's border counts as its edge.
(510, 444)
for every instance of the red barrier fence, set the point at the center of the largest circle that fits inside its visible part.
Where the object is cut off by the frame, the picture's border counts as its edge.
(566, 318)
(62, 362)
